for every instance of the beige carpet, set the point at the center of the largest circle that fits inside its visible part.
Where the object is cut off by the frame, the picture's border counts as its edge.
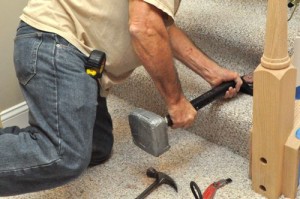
(232, 33)
(124, 175)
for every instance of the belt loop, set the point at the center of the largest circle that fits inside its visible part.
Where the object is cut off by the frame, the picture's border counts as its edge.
(56, 38)
(39, 34)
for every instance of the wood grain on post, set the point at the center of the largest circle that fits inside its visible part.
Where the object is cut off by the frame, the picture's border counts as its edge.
(291, 159)
(291, 149)
(273, 104)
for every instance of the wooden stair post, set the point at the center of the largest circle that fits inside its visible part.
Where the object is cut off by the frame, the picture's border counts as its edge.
(291, 159)
(273, 104)
(291, 149)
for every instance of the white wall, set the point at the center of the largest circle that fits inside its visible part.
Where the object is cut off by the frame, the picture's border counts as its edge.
(10, 11)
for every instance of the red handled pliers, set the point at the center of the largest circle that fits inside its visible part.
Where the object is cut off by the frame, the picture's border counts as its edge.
(210, 191)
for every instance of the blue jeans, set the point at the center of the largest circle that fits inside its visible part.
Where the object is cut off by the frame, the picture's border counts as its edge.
(68, 119)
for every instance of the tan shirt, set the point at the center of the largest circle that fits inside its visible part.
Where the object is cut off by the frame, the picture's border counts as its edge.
(95, 24)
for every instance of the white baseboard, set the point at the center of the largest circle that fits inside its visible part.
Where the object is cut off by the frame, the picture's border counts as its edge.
(15, 116)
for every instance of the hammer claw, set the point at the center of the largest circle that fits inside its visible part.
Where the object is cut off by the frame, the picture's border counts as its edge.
(161, 178)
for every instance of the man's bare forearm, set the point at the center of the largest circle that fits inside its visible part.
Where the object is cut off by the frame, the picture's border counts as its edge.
(150, 40)
(184, 50)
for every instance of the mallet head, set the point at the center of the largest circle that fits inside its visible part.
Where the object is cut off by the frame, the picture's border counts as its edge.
(149, 131)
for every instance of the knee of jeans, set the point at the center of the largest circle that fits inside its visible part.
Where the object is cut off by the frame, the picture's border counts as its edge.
(74, 170)
(74, 166)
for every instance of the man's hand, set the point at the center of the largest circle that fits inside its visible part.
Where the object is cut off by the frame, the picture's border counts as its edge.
(221, 75)
(182, 114)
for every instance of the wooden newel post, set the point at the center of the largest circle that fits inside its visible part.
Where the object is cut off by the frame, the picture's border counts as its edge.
(273, 105)
(291, 161)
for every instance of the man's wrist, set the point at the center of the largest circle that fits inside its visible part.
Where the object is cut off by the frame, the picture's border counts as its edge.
(176, 101)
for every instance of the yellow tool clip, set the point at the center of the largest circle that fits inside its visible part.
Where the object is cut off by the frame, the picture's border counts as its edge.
(95, 64)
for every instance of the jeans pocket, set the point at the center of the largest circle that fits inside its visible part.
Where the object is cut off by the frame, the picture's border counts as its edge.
(25, 56)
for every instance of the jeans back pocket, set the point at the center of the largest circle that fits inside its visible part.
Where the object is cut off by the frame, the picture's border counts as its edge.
(26, 55)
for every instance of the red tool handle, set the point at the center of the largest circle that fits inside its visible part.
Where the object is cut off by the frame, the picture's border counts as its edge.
(210, 192)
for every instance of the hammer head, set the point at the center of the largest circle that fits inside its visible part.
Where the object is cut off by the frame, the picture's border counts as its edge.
(161, 178)
(149, 131)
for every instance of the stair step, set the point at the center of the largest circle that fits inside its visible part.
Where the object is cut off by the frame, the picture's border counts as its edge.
(225, 122)
(230, 32)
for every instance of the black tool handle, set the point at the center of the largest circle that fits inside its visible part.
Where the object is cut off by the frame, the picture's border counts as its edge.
(145, 193)
(207, 97)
